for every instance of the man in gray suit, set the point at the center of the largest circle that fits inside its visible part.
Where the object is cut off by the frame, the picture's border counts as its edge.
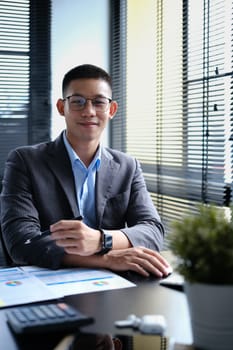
(49, 185)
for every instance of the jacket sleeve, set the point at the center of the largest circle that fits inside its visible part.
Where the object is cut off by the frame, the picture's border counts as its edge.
(20, 218)
(144, 227)
(128, 205)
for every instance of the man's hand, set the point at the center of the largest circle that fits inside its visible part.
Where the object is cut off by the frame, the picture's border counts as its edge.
(79, 240)
(139, 259)
(76, 237)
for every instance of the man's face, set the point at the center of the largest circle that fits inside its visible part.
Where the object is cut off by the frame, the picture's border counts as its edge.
(87, 123)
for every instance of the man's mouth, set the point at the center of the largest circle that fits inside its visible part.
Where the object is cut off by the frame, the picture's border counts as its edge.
(89, 123)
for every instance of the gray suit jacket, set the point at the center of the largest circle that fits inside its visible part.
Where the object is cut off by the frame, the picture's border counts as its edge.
(38, 190)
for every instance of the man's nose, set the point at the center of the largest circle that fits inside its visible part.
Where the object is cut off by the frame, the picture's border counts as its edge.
(88, 107)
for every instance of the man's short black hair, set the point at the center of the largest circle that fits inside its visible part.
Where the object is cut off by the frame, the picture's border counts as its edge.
(85, 71)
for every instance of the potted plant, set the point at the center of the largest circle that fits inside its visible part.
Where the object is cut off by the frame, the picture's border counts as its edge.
(203, 246)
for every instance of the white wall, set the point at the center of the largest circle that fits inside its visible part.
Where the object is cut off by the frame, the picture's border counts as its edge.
(80, 34)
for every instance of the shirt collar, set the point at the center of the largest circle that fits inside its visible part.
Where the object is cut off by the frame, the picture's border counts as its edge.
(73, 155)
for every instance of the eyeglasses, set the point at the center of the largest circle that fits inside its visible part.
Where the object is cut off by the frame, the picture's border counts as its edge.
(77, 103)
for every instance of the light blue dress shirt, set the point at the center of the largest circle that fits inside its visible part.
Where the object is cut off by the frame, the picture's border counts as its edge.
(85, 183)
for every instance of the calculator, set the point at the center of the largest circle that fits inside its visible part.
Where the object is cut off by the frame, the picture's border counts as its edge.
(49, 317)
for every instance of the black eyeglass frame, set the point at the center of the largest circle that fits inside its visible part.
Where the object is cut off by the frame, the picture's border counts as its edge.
(88, 99)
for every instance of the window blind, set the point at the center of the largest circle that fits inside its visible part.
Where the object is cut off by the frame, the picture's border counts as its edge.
(178, 101)
(14, 75)
(24, 74)
(207, 98)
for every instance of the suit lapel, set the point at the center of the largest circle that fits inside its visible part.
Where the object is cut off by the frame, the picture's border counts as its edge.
(104, 182)
(59, 163)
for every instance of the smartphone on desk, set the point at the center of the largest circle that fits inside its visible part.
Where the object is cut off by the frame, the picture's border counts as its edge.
(173, 281)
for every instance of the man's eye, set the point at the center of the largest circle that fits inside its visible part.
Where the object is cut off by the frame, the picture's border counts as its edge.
(78, 102)
(99, 102)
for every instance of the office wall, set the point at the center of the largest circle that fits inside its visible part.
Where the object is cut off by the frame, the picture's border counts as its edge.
(80, 34)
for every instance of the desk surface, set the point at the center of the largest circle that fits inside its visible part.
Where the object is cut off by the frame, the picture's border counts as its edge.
(148, 297)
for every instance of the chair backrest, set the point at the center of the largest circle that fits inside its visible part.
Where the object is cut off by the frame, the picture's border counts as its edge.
(5, 259)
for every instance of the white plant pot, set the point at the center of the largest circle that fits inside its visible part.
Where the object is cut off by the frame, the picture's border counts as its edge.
(211, 313)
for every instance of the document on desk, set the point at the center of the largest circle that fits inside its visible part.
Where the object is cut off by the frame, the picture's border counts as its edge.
(18, 287)
(30, 284)
(69, 281)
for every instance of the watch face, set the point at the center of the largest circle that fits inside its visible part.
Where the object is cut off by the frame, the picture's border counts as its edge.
(107, 240)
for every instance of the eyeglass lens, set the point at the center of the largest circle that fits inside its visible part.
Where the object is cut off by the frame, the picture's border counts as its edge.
(77, 103)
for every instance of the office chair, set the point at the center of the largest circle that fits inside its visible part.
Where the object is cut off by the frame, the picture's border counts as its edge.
(5, 259)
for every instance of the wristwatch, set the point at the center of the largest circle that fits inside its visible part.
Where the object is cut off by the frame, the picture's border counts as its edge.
(106, 242)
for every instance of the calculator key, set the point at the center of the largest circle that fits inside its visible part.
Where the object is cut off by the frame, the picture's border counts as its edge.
(58, 312)
(67, 309)
(48, 311)
(29, 314)
(39, 313)
(18, 315)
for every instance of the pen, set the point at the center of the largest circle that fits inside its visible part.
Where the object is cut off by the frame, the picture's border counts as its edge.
(45, 233)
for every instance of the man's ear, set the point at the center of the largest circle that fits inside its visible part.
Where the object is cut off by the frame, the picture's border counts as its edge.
(60, 106)
(113, 109)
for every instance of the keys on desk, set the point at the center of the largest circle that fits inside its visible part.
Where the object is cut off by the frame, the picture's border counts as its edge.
(45, 318)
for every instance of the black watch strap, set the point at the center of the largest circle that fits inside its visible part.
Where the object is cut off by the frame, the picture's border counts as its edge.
(106, 242)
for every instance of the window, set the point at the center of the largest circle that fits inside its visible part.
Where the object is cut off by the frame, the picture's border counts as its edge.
(24, 74)
(177, 61)
(14, 75)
